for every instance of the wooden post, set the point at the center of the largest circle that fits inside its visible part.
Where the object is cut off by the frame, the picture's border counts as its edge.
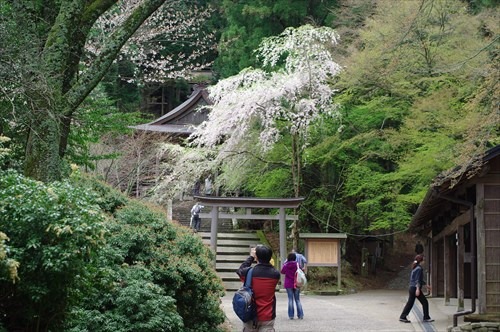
(213, 231)
(447, 270)
(481, 249)
(339, 269)
(460, 268)
(435, 268)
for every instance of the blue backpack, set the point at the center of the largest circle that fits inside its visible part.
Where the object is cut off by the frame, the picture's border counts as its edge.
(244, 302)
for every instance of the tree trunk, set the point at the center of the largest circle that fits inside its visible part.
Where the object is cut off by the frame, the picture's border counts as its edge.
(50, 128)
(42, 160)
(296, 178)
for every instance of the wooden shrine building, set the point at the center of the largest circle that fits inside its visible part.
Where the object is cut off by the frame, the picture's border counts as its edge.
(181, 120)
(460, 217)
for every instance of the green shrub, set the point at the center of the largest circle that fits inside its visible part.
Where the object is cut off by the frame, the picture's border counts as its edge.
(179, 261)
(54, 230)
(108, 199)
(93, 260)
(130, 302)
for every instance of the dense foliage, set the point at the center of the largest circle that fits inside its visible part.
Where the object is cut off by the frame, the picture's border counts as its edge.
(249, 21)
(62, 54)
(90, 259)
(418, 98)
(418, 94)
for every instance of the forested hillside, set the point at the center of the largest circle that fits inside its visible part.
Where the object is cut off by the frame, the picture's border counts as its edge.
(355, 105)
(417, 94)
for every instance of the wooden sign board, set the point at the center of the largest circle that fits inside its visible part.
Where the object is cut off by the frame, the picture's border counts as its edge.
(322, 252)
(322, 249)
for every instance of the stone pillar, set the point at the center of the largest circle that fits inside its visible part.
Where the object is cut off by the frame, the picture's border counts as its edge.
(282, 228)
(364, 262)
(169, 210)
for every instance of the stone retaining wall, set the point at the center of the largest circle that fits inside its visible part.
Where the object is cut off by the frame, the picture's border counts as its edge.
(476, 327)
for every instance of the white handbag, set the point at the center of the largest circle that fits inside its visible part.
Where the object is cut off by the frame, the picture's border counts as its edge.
(300, 277)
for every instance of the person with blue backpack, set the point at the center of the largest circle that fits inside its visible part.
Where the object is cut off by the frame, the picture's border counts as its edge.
(264, 280)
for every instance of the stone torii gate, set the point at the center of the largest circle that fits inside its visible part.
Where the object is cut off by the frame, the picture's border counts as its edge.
(249, 203)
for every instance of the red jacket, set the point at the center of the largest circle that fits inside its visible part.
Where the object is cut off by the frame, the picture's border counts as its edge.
(264, 280)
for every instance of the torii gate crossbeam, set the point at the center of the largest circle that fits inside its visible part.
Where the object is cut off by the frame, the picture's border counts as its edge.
(250, 202)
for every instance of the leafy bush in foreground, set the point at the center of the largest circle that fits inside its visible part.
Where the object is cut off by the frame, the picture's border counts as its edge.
(100, 262)
(54, 232)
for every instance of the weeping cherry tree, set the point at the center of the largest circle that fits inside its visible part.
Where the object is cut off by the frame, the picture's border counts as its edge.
(290, 93)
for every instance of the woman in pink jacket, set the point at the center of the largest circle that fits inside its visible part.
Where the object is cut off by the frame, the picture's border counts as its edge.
(289, 269)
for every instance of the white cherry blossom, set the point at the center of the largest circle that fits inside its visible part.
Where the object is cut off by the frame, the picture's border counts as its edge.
(294, 87)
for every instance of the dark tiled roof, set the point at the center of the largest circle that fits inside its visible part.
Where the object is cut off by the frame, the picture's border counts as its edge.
(182, 119)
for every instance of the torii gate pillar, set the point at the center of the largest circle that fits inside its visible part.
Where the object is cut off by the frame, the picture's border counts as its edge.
(282, 230)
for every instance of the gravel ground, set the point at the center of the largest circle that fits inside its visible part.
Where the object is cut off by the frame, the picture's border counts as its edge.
(364, 311)
(401, 280)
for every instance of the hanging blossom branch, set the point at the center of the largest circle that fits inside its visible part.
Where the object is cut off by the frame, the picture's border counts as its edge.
(293, 89)
(173, 42)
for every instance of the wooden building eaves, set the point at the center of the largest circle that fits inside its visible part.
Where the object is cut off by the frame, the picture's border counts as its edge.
(168, 129)
(174, 122)
(190, 105)
(434, 203)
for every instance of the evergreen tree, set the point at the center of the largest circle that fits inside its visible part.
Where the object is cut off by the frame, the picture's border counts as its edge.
(249, 21)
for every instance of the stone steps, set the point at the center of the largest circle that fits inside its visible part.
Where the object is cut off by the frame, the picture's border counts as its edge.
(232, 249)
(228, 257)
(238, 244)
